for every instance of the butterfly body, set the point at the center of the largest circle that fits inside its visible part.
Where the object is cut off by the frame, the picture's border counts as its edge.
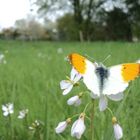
(102, 74)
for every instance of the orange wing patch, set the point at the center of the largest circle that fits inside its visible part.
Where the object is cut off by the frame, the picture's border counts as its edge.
(78, 62)
(130, 71)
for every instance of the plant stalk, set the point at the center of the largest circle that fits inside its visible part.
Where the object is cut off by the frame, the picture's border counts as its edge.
(92, 121)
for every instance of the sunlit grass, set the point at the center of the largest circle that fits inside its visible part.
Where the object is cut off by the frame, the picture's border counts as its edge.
(31, 77)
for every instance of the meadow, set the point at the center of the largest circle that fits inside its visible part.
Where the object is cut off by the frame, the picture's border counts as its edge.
(30, 80)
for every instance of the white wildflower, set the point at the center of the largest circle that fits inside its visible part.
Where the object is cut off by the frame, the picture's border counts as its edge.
(8, 109)
(67, 85)
(78, 127)
(75, 100)
(62, 126)
(118, 132)
(23, 113)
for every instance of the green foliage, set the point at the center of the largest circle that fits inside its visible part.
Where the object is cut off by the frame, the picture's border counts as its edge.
(31, 77)
(118, 25)
(67, 28)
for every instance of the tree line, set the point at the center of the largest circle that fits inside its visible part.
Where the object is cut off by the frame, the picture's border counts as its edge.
(80, 20)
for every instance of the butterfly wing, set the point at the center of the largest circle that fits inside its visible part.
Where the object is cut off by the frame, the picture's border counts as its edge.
(120, 76)
(87, 69)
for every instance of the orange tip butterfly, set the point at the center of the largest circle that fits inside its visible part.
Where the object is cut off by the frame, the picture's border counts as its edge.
(105, 82)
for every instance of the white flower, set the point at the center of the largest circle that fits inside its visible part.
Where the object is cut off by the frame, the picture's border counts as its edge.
(103, 102)
(78, 127)
(75, 100)
(118, 132)
(67, 85)
(23, 113)
(62, 126)
(8, 109)
(34, 125)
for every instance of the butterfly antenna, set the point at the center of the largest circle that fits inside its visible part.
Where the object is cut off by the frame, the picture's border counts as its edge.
(90, 57)
(106, 58)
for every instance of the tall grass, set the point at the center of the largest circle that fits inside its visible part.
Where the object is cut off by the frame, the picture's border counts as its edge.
(31, 77)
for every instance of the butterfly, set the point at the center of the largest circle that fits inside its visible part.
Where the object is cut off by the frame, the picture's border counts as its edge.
(105, 82)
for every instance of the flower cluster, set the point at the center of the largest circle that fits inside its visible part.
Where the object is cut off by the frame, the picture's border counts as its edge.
(8, 109)
(78, 126)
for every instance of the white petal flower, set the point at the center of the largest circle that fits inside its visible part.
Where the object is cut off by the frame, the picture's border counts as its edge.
(62, 126)
(35, 125)
(75, 100)
(37, 122)
(22, 113)
(118, 132)
(8, 109)
(78, 127)
(67, 85)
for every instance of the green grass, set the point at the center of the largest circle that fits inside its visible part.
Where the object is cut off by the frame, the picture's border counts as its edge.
(32, 82)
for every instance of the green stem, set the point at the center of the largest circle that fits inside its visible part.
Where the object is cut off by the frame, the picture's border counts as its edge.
(86, 107)
(10, 127)
(92, 121)
(74, 116)
(110, 111)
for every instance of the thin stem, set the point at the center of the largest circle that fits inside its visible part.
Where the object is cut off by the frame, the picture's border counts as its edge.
(110, 111)
(92, 121)
(10, 127)
(86, 107)
(87, 118)
(75, 116)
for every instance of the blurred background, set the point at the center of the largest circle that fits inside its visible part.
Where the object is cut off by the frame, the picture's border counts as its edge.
(70, 20)
(36, 37)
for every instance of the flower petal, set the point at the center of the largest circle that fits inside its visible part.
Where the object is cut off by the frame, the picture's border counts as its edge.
(103, 103)
(6, 113)
(116, 97)
(77, 78)
(66, 91)
(78, 128)
(72, 100)
(11, 111)
(10, 106)
(64, 84)
(4, 108)
(78, 102)
(118, 131)
(73, 74)
(61, 127)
